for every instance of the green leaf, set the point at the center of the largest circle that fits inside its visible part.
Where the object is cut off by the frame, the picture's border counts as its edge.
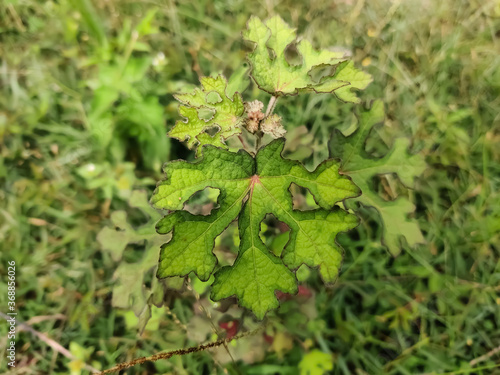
(238, 82)
(91, 20)
(250, 188)
(145, 27)
(144, 121)
(358, 164)
(193, 238)
(129, 291)
(226, 114)
(316, 363)
(277, 76)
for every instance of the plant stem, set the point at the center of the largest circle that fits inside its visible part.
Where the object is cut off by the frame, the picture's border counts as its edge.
(166, 355)
(244, 143)
(271, 105)
(259, 136)
(269, 110)
(48, 341)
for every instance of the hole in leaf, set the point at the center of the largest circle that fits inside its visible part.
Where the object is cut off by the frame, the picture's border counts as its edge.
(137, 217)
(274, 233)
(375, 145)
(203, 202)
(248, 46)
(205, 114)
(149, 276)
(319, 72)
(199, 286)
(370, 228)
(134, 252)
(292, 55)
(212, 131)
(299, 144)
(347, 123)
(302, 198)
(272, 54)
(227, 244)
(213, 97)
(388, 186)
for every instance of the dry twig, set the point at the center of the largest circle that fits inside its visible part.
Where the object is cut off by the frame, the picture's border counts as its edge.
(47, 340)
(166, 355)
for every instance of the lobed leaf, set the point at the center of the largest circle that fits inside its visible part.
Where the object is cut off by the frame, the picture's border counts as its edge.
(275, 75)
(225, 112)
(250, 188)
(190, 249)
(362, 168)
(256, 273)
(129, 291)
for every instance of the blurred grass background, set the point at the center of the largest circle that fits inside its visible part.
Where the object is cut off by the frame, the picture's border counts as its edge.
(86, 99)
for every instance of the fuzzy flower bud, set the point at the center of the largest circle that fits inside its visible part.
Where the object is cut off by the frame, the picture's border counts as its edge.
(254, 114)
(272, 126)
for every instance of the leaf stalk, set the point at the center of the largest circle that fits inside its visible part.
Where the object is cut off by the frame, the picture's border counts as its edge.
(271, 105)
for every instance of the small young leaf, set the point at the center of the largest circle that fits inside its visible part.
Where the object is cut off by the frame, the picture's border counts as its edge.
(250, 188)
(362, 168)
(226, 114)
(275, 75)
(316, 363)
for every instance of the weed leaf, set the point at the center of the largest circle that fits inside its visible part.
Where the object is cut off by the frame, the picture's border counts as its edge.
(361, 167)
(222, 114)
(250, 188)
(274, 74)
(129, 291)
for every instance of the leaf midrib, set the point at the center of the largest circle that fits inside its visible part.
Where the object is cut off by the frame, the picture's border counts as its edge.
(217, 220)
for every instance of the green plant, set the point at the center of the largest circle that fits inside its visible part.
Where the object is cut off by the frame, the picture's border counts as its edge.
(253, 184)
(432, 309)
